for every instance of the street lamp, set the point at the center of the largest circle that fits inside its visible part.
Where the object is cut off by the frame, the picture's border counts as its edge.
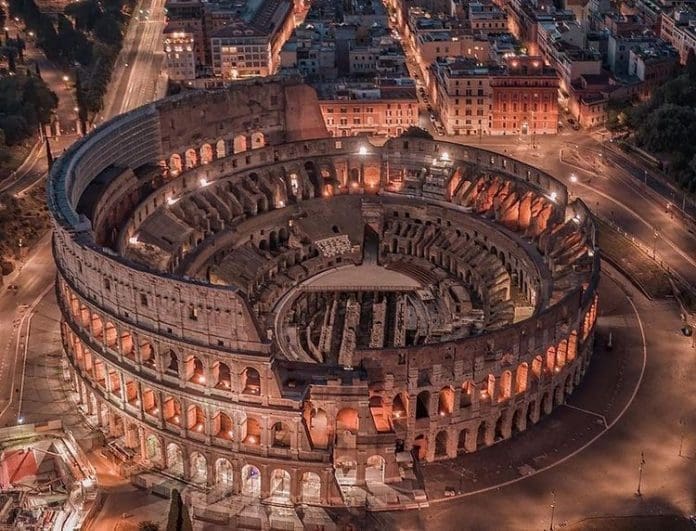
(640, 474)
(553, 508)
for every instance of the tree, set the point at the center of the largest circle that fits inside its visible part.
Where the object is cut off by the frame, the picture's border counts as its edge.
(178, 519)
(108, 30)
(417, 132)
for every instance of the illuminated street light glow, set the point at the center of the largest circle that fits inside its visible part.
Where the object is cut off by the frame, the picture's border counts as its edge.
(203, 182)
(172, 200)
(133, 240)
(573, 178)
(553, 196)
(362, 150)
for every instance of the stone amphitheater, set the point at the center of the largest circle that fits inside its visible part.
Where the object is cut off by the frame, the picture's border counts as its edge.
(256, 308)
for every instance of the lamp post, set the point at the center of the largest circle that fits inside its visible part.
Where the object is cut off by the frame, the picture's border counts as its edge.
(553, 508)
(640, 474)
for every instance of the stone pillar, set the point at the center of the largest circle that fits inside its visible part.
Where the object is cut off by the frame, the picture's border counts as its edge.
(470, 441)
(236, 477)
(452, 443)
(265, 481)
(160, 409)
(143, 444)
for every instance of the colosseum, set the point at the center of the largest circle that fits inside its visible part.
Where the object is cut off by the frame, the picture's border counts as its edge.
(257, 308)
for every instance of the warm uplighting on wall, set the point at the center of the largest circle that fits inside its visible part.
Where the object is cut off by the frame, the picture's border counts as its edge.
(133, 240)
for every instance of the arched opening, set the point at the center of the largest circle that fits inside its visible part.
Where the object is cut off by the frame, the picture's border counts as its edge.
(319, 427)
(197, 371)
(191, 158)
(172, 362)
(147, 354)
(110, 334)
(550, 359)
(531, 412)
(518, 420)
(445, 403)
(257, 140)
(346, 471)
(423, 405)
(500, 429)
(280, 435)
(240, 143)
(149, 401)
(521, 378)
(347, 420)
(175, 460)
(280, 484)
(461, 441)
(374, 471)
(251, 381)
(399, 411)
(224, 473)
(175, 165)
(127, 345)
(311, 488)
(221, 148)
(153, 449)
(467, 395)
(251, 481)
(195, 419)
(225, 426)
(420, 447)
(224, 377)
(441, 444)
(481, 437)
(505, 388)
(172, 410)
(252, 432)
(199, 468)
(97, 326)
(206, 154)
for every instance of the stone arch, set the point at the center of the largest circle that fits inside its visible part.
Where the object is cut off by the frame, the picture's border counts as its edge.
(127, 344)
(445, 403)
(171, 362)
(171, 408)
(374, 468)
(240, 143)
(97, 326)
(251, 381)
(441, 444)
(224, 427)
(521, 377)
(482, 435)
(191, 158)
(198, 468)
(346, 470)
(251, 481)
(500, 431)
(252, 432)
(257, 140)
(550, 359)
(420, 447)
(175, 460)
(505, 387)
(221, 148)
(423, 405)
(224, 472)
(223, 378)
(175, 164)
(467, 395)
(147, 354)
(311, 488)
(110, 334)
(153, 449)
(519, 420)
(281, 435)
(347, 420)
(195, 365)
(195, 418)
(461, 441)
(149, 399)
(399, 410)
(318, 423)
(561, 354)
(206, 154)
(281, 483)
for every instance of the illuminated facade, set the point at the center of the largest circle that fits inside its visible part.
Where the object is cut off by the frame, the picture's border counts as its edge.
(264, 311)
